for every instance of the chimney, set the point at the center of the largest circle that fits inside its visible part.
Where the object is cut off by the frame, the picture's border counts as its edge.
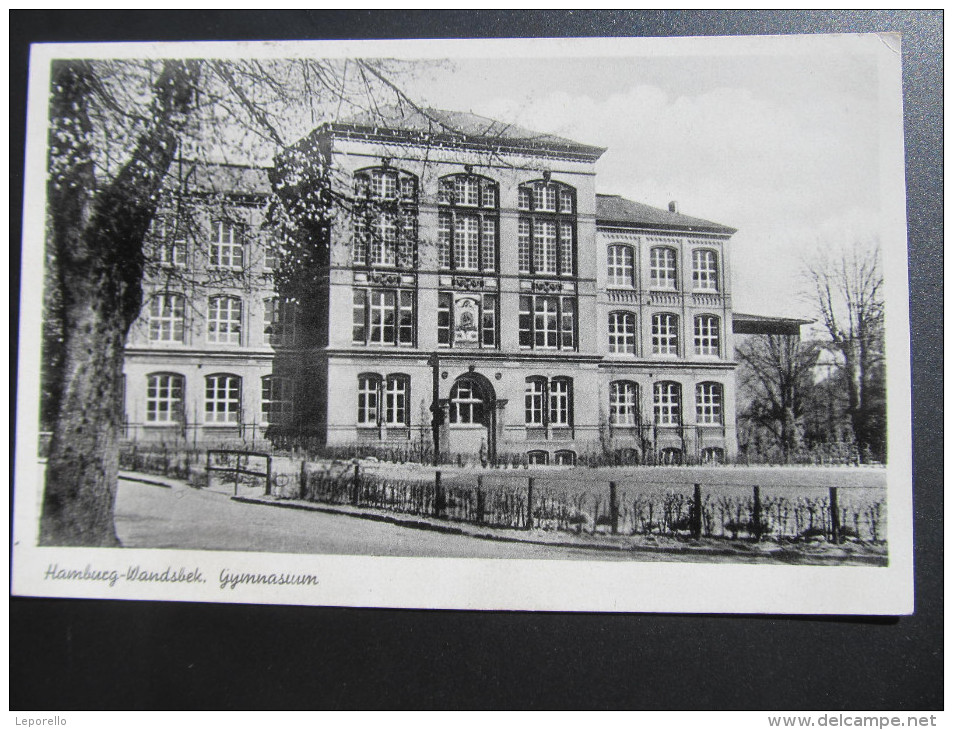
(673, 206)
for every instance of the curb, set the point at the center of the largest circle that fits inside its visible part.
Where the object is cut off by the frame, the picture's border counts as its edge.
(127, 477)
(774, 556)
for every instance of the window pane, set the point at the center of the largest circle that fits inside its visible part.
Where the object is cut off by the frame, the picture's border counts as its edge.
(164, 398)
(225, 320)
(544, 247)
(222, 399)
(443, 241)
(359, 321)
(565, 248)
(621, 268)
(667, 404)
(489, 244)
(705, 270)
(708, 403)
(664, 334)
(663, 273)
(707, 336)
(443, 317)
(535, 400)
(524, 246)
(466, 243)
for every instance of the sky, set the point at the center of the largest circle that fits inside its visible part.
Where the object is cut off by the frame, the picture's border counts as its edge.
(785, 149)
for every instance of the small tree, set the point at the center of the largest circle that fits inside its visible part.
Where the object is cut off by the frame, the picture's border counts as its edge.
(775, 381)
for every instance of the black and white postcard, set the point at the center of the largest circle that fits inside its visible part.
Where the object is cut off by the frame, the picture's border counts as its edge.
(585, 325)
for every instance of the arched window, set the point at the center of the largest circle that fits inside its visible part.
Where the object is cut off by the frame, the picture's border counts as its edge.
(225, 320)
(704, 269)
(280, 321)
(223, 398)
(385, 219)
(708, 404)
(164, 398)
(713, 455)
(664, 334)
(468, 223)
(537, 458)
(622, 333)
(623, 403)
(466, 402)
(277, 399)
(397, 400)
(368, 399)
(565, 458)
(167, 317)
(547, 228)
(707, 339)
(621, 264)
(664, 268)
(668, 403)
(670, 456)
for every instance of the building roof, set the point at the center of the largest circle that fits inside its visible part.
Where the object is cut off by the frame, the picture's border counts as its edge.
(756, 324)
(439, 126)
(618, 211)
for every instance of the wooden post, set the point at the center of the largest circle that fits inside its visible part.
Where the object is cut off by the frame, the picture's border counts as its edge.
(268, 478)
(613, 509)
(439, 503)
(529, 504)
(756, 514)
(238, 466)
(208, 468)
(303, 480)
(355, 494)
(697, 512)
(480, 505)
(835, 516)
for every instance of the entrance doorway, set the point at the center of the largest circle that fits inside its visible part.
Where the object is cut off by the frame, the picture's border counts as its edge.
(472, 416)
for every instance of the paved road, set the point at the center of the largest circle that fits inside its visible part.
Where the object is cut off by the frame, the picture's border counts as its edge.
(181, 517)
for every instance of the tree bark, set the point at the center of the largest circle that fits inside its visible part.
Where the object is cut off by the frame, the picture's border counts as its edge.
(98, 240)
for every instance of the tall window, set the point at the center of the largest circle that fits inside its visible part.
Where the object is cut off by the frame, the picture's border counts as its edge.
(664, 334)
(664, 269)
(547, 322)
(466, 320)
(227, 250)
(623, 403)
(621, 266)
(277, 399)
(164, 398)
(368, 399)
(223, 399)
(668, 404)
(169, 240)
(547, 229)
(385, 224)
(708, 400)
(704, 269)
(225, 320)
(622, 333)
(383, 317)
(383, 401)
(167, 317)
(467, 231)
(548, 402)
(707, 336)
(397, 400)
(279, 321)
(466, 403)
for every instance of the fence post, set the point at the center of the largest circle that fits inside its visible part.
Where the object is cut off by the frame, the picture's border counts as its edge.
(438, 505)
(355, 495)
(697, 512)
(480, 503)
(208, 468)
(756, 513)
(268, 478)
(835, 516)
(238, 466)
(529, 504)
(303, 480)
(613, 508)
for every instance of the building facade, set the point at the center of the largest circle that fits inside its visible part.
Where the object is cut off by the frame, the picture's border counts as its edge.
(475, 295)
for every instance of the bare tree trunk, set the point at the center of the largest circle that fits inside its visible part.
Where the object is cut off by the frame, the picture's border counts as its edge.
(98, 240)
